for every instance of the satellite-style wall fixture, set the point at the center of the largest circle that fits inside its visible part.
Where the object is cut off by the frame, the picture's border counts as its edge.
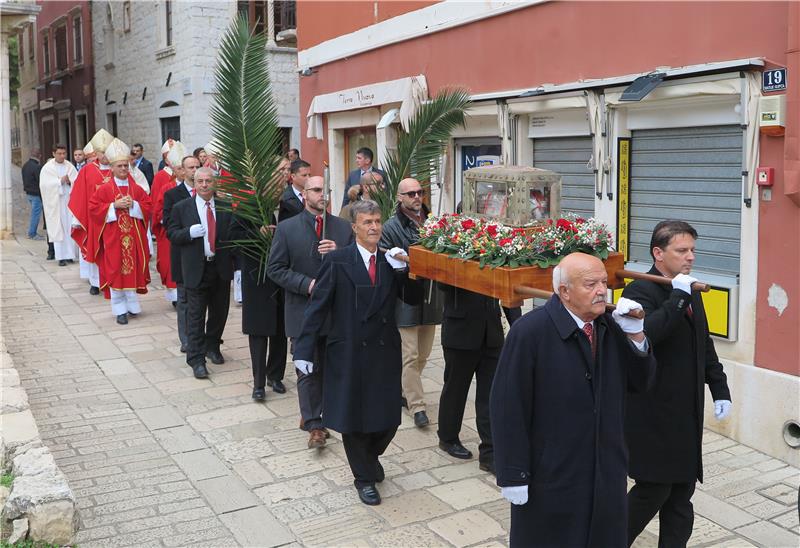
(643, 85)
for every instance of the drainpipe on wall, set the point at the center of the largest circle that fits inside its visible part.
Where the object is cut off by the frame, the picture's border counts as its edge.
(791, 141)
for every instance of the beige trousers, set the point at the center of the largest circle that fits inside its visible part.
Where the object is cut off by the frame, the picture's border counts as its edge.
(417, 345)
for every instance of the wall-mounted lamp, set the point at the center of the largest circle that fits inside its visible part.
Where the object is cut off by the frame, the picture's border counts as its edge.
(643, 85)
(308, 71)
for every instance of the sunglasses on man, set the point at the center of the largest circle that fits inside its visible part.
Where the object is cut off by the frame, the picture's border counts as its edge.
(414, 193)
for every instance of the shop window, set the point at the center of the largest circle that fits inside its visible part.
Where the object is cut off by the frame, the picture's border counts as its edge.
(60, 42)
(77, 40)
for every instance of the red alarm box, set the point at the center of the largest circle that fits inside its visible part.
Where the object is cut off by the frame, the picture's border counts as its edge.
(765, 176)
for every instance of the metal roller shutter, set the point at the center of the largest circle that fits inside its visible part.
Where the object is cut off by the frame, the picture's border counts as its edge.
(569, 156)
(692, 174)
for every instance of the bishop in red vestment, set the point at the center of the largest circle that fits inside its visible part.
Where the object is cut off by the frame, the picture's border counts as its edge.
(119, 212)
(90, 178)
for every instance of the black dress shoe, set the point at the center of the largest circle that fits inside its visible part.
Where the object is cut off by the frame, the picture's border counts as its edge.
(70, 261)
(215, 356)
(94, 290)
(369, 495)
(421, 419)
(380, 475)
(277, 386)
(404, 403)
(51, 257)
(259, 394)
(174, 304)
(487, 466)
(183, 348)
(62, 262)
(455, 450)
(200, 371)
(122, 319)
(133, 314)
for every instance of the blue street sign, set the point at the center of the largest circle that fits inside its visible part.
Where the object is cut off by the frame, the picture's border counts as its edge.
(774, 80)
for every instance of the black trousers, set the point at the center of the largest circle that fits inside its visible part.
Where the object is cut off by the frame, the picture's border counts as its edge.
(213, 295)
(512, 314)
(362, 450)
(272, 368)
(459, 367)
(309, 387)
(672, 502)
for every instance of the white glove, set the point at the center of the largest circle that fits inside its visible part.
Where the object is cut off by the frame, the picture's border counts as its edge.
(517, 494)
(197, 231)
(722, 408)
(304, 367)
(683, 282)
(394, 263)
(628, 324)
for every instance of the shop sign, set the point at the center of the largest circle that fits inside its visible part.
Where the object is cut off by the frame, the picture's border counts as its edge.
(559, 123)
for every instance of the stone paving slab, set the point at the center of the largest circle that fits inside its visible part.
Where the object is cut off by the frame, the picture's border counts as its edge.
(159, 458)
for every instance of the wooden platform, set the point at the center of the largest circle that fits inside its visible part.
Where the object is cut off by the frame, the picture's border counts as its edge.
(494, 282)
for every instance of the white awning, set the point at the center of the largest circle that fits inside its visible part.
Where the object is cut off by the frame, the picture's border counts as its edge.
(409, 92)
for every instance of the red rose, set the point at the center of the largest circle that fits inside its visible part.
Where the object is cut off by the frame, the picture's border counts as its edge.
(564, 224)
(580, 220)
(466, 225)
(492, 230)
(505, 241)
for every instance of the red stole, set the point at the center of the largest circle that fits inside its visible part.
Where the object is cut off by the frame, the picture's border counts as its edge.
(124, 255)
(162, 182)
(90, 178)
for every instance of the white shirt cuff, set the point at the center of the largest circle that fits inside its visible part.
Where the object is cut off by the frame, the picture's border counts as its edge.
(641, 346)
(136, 211)
(112, 214)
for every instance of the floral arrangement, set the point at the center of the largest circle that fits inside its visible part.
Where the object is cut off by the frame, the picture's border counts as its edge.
(493, 244)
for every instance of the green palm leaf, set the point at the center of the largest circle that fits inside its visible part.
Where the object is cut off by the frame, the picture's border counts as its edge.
(419, 150)
(244, 123)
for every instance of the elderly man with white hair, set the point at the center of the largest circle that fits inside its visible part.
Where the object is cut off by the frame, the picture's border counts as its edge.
(557, 409)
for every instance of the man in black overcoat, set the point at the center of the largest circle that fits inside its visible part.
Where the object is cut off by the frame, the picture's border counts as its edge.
(292, 201)
(664, 428)
(358, 286)
(557, 408)
(472, 338)
(202, 230)
(294, 260)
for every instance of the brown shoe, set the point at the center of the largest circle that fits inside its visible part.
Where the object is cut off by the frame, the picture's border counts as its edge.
(317, 439)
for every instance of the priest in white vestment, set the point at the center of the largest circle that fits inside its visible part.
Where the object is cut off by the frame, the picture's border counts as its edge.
(55, 184)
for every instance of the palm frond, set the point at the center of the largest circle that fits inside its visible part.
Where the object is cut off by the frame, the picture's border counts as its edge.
(244, 124)
(419, 150)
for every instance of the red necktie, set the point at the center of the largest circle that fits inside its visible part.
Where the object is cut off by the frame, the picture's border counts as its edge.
(372, 270)
(689, 311)
(194, 193)
(318, 226)
(589, 330)
(212, 228)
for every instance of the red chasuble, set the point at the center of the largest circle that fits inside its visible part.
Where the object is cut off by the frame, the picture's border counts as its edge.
(124, 254)
(90, 178)
(162, 182)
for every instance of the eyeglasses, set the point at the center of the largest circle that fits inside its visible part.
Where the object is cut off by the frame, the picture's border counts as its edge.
(413, 193)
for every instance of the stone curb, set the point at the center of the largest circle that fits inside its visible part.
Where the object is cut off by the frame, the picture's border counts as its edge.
(40, 506)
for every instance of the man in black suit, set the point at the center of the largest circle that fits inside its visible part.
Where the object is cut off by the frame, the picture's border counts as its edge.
(201, 229)
(359, 286)
(664, 427)
(190, 165)
(364, 162)
(142, 163)
(292, 200)
(472, 337)
(294, 260)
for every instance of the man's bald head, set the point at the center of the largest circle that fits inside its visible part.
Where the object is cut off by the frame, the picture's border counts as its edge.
(314, 194)
(409, 194)
(314, 181)
(581, 282)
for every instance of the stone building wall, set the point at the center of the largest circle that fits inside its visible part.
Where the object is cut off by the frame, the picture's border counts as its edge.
(179, 79)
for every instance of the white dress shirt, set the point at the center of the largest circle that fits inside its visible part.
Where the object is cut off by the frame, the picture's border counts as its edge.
(640, 346)
(189, 189)
(200, 203)
(365, 255)
(134, 211)
(298, 194)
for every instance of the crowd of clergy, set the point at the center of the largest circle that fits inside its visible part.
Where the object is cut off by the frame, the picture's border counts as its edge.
(561, 399)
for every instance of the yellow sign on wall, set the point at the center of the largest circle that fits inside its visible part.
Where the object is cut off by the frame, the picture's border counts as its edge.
(623, 194)
(716, 303)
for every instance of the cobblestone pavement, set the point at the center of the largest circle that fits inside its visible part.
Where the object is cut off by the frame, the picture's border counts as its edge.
(158, 458)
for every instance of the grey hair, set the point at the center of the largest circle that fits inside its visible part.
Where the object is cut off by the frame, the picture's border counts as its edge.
(206, 170)
(559, 278)
(366, 207)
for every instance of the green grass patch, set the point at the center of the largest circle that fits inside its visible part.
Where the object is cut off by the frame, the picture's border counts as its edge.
(6, 480)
